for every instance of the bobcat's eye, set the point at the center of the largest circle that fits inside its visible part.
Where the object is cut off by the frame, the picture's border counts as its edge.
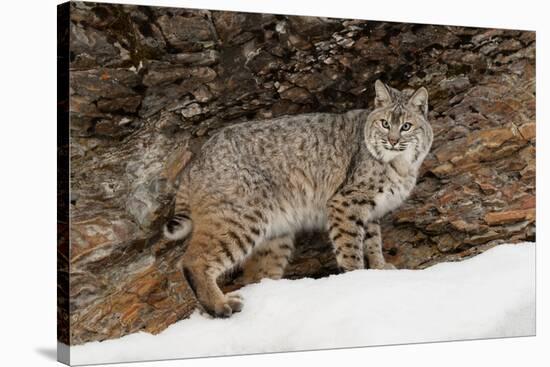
(406, 126)
(385, 124)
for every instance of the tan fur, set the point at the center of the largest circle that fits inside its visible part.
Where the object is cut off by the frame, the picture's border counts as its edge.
(255, 184)
(268, 260)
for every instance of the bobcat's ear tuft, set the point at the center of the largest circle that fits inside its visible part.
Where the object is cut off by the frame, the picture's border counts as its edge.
(419, 101)
(383, 96)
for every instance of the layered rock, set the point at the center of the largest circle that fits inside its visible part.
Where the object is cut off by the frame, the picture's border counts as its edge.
(148, 86)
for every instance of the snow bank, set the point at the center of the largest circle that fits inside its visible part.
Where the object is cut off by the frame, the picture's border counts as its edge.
(490, 295)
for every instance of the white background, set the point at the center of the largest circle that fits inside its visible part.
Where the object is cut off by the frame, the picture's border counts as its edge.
(28, 181)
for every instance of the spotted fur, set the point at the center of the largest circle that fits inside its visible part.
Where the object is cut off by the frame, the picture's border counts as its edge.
(255, 184)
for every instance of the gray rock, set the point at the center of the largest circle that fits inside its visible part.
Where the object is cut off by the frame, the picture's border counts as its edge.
(186, 33)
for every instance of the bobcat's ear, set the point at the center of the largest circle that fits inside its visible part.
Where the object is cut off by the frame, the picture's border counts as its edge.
(419, 101)
(383, 96)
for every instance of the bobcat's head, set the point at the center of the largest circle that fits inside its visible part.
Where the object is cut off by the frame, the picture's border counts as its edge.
(398, 125)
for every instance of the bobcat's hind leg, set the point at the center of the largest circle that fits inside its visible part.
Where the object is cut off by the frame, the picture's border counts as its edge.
(268, 260)
(213, 250)
(203, 282)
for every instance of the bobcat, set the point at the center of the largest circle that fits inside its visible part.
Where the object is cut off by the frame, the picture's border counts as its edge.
(257, 183)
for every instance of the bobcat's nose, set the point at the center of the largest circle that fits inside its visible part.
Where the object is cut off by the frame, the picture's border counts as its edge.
(393, 140)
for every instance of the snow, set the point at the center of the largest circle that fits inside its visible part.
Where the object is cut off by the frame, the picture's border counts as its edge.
(490, 295)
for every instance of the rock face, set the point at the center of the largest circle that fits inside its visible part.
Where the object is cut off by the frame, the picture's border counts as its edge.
(148, 86)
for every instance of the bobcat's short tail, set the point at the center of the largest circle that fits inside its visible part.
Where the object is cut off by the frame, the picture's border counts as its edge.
(178, 227)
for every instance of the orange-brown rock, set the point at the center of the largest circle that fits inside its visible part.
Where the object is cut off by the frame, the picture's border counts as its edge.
(509, 216)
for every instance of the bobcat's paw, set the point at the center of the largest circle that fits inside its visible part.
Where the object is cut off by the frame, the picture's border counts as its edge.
(232, 303)
(235, 301)
(384, 266)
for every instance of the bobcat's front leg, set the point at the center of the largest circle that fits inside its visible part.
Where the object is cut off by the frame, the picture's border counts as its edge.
(373, 247)
(346, 233)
